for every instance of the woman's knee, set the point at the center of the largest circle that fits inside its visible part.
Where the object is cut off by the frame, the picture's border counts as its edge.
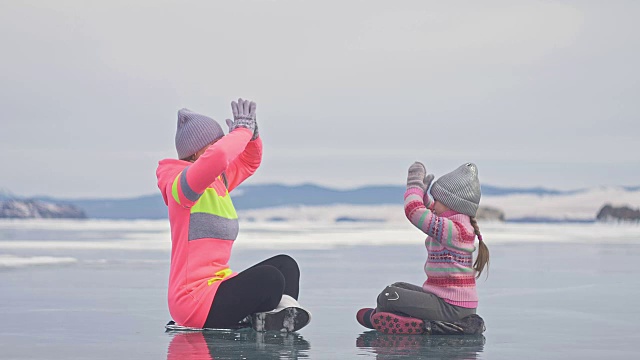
(270, 277)
(269, 283)
(288, 264)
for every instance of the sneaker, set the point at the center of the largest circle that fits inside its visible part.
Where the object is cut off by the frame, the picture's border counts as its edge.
(390, 323)
(172, 326)
(469, 325)
(364, 317)
(289, 319)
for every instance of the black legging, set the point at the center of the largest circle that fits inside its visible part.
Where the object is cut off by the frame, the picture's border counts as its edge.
(257, 289)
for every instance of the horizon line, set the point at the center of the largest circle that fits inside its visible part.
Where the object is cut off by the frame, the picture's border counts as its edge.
(11, 195)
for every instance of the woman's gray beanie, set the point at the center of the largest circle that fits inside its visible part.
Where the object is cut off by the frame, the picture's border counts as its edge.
(459, 190)
(195, 131)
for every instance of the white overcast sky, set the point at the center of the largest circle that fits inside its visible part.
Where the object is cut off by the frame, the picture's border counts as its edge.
(349, 93)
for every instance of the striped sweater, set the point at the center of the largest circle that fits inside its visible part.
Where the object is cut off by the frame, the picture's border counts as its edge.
(450, 247)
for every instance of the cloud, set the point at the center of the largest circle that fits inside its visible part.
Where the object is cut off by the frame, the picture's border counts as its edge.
(349, 91)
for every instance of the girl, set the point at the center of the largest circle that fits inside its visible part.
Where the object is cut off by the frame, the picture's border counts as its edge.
(449, 294)
(203, 291)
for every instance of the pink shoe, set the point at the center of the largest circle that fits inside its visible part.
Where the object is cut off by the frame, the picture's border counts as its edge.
(364, 317)
(390, 323)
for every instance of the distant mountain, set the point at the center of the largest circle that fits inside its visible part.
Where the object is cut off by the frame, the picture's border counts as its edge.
(38, 209)
(143, 207)
(488, 190)
(259, 196)
(245, 197)
(6, 195)
(271, 195)
(248, 197)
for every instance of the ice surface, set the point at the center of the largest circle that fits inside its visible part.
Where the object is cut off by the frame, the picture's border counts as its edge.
(558, 291)
(18, 261)
(155, 235)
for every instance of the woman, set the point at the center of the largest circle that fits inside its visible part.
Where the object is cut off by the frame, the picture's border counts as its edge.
(203, 291)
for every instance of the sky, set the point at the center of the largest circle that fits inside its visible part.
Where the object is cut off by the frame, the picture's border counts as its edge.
(349, 93)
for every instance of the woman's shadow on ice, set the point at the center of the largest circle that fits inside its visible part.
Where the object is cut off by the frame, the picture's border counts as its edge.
(387, 346)
(238, 344)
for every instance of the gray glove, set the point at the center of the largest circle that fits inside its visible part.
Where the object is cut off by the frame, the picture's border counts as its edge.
(255, 131)
(427, 181)
(244, 115)
(418, 177)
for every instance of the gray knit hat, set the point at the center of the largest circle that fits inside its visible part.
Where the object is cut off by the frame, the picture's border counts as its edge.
(195, 131)
(459, 190)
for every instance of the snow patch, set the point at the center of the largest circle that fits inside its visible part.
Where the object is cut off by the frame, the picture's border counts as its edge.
(578, 206)
(18, 261)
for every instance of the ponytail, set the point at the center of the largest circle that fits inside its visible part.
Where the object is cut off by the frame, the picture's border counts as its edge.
(483, 252)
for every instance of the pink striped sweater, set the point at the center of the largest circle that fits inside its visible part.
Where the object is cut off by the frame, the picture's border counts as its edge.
(450, 247)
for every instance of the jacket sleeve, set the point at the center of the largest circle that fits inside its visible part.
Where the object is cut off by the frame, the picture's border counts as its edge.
(421, 215)
(245, 164)
(191, 183)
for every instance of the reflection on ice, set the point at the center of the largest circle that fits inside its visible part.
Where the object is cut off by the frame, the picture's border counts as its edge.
(240, 344)
(92, 273)
(386, 346)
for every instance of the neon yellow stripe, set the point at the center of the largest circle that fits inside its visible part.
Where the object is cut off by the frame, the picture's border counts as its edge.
(174, 189)
(219, 276)
(211, 203)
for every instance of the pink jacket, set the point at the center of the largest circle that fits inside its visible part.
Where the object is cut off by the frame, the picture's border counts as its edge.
(450, 247)
(204, 223)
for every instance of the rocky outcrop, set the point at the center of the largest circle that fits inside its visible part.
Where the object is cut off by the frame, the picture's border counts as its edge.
(619, 214)
(35, 209)
(490, 213)
(353, 219)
